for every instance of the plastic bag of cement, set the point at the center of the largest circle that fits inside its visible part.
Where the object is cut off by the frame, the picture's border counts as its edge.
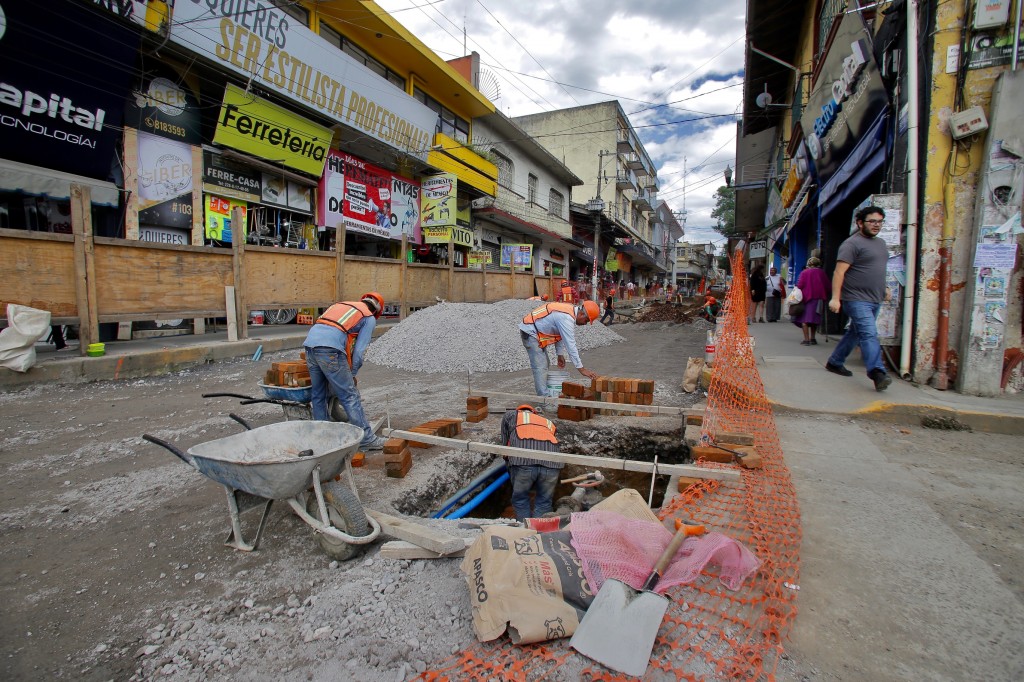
(691, 377)
(17, 342)
(532, 583)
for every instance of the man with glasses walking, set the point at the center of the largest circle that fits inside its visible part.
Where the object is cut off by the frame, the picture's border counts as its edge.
(858, 286)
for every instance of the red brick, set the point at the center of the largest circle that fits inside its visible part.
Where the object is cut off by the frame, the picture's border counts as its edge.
(399, 456)
(475, 419)
(475, 401)
(359, 459)
(398, 469)
(392, 445)
(573, 390)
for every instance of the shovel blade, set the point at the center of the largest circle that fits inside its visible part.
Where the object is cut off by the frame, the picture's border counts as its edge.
(619, 628)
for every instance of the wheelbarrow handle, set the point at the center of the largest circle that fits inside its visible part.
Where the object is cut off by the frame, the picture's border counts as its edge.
(162, 443)
(272, 401)
(227, 395)
(247, 425)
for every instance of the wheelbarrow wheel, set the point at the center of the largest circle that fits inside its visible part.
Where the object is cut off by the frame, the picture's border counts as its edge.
(345, 513)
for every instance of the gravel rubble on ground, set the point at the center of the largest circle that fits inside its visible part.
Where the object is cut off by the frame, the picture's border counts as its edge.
(438, 340)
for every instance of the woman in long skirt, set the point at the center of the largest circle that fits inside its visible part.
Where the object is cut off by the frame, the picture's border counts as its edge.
(816, 289)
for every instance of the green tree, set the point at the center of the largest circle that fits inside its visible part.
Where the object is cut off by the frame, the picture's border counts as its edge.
(725, 210)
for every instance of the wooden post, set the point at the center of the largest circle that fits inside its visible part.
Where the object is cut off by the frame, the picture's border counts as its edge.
(198, 223)
(512, 275)
(229, 306)
(238, 271)
(451, 264)
(131, 183)
(402, 272)
(483, 278)
(85, 267)
(339, 263)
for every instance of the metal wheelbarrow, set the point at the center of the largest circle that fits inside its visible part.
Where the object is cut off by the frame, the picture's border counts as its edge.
(284, 461)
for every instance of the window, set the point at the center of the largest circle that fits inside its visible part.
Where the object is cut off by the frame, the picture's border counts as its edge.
(506, 170)
(293, 9)
(555, 203)
(360, 55)
(531, 190)
(829, 13)
(448, 122)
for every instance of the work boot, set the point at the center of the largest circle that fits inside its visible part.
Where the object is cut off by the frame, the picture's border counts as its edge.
(376, 443)
(881, 379)
(838, 369)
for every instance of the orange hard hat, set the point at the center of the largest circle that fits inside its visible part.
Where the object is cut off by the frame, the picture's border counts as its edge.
(544, 297)
(593, 310)
(526, 407)
(374, 301)
(712, 299)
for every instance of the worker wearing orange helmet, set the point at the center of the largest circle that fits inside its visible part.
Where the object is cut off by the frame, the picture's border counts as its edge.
(524, 428)
(555, 324)
(335, 347)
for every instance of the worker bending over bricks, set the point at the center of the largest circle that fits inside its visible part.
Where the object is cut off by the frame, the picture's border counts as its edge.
(524, 428)
(555, 324)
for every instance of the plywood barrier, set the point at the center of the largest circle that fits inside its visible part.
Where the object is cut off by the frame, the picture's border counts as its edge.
(38, 271)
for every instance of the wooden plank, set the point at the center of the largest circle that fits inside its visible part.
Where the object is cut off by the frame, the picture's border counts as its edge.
(554, 402)
(402, 274)
(398, 549)
(241, 315)
(85, 266)
(422, 536)
(161, 315)
(339, 263)
(229, 304)
(566, 458)
(131, 183)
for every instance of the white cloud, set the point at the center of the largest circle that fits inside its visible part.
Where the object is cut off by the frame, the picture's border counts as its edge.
(643, 54)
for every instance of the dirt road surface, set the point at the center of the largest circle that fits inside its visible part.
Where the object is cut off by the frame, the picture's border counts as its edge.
(112, 564)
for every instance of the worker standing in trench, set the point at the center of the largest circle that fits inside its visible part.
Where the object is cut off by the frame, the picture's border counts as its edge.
(555, 324)
(524, 428)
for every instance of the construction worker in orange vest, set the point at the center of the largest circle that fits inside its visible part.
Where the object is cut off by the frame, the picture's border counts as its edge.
(524, 428)
(555, 324)
(568, 293)
(335, 347)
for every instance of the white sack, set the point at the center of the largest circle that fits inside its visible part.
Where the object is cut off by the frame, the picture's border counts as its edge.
(25, 326)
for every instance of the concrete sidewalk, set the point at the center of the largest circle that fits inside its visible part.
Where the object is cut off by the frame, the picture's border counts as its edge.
(796, 381)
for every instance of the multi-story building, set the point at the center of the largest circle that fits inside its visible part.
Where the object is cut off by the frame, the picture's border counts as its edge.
(598, 143)
(914, 108)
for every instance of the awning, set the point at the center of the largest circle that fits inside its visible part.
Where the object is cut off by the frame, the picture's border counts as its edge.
(21, 177)
(866, 158)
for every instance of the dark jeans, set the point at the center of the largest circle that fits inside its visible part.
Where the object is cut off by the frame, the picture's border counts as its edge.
(329, 371)
(773, 308)
(541, 480)
(610, 314)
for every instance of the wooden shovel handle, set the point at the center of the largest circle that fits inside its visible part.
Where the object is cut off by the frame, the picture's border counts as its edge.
(683, 531)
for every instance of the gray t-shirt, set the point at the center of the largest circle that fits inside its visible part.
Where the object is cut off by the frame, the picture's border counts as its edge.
(865, 280)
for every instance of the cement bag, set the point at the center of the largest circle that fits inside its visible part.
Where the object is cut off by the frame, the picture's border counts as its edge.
(692, 375)
(17, 342)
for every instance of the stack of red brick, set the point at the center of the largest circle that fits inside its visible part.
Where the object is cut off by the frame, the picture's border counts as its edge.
(476, 408)
(606, 390)
(292, 374)
(398, 453)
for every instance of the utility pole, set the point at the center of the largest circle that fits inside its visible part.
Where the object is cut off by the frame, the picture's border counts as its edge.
(596, 206)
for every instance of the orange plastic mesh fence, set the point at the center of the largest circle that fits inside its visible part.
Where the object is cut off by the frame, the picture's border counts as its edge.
(708, 633)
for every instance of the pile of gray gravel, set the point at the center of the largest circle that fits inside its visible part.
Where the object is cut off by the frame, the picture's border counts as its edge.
(479, 337)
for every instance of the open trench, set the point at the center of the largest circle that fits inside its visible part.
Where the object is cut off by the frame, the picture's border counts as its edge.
(597, 438)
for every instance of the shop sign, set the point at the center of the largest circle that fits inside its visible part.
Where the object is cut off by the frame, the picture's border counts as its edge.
(163, 108)
(480, 258)
(611, 263)
(162, 235)
(260, 42)
(220, 176)
(519, 255)
(797, 176)
(62, 106)
(440, 235)
(759, 249)
(556, 254)
(848, 98)
(774, 211)
(992, 49)
(277, 191)
(146, 13)
(261, 128)
(438, 200)
(164, 182)
(405, 209)
(218, 217)
(356, 194)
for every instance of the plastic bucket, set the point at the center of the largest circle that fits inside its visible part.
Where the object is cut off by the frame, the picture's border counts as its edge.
(257, 317)
(709, 349)
(555, 379)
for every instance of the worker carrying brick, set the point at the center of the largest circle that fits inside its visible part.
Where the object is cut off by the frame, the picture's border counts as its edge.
(335, 347)
(524, 428)
(555, 324)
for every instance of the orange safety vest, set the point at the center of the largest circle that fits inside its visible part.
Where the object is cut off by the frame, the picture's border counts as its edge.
(568, 294)
(345, 316)
(532, 426)
(545, 340)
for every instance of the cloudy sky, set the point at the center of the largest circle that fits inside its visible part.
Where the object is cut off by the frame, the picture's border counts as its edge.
(676, 67)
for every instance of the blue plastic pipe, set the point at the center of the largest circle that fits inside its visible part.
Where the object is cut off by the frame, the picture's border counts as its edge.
(483, 495)
(486, 476)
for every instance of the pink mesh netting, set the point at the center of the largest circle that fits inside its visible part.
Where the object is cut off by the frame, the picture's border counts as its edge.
(610, 545)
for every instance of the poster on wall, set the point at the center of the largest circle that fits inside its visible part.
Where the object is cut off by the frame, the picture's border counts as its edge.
(159, 105)
(440, 235)
(520, 255)
(218, 217)
(164, 182)
(355, 194)
(277, 191)
(437, 200)
(405, 209)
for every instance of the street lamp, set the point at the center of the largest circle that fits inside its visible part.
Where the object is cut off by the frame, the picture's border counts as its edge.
(595, 206)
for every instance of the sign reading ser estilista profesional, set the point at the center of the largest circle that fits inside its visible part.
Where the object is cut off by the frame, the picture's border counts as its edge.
(263, 129)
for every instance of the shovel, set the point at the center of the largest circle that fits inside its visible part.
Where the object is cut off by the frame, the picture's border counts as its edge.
(619, 628)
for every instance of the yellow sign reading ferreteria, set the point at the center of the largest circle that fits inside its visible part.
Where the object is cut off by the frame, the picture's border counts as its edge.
(254, 125)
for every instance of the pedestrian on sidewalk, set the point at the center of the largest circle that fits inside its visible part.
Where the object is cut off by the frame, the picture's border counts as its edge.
(858, 287)
(555, 324)
(524, 428)
(758, 290)
(335, 347)
(815, 289)
(776, 292)
(609, 309)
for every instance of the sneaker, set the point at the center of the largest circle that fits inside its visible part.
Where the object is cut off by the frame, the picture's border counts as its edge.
(881, 379)
(377, 443)
(814, 342)
(838, 369)
(805, 343)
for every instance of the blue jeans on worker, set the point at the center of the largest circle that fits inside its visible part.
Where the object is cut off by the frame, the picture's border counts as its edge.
(539, 362)
(329, 372)
(539, 479)
(863, 332)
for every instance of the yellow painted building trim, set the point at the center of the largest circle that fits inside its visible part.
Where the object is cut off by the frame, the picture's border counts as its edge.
(466, 155)
(464, 173)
